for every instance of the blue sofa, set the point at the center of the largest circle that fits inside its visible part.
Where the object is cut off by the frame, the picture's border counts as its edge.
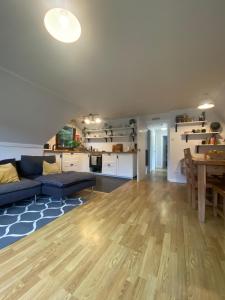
(33, 183)
(15, 191)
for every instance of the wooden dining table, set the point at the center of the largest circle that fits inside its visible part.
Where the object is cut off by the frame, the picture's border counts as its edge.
(202, 163)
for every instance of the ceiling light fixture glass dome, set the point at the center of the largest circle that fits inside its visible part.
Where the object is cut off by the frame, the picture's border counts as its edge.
(62, 25)
(206, 106)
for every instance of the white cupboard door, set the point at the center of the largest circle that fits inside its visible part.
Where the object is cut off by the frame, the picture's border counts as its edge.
(109, 164)
(70, 162)
(125, 165)
(85, 157)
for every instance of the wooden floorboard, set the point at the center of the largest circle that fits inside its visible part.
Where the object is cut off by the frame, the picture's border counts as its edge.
(142, 241)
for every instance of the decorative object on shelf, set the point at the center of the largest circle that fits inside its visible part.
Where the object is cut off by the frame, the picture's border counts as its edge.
(215, 126)
(63, 138)
(117, 148)
(202, 116)
(212, 140)
(74, 144)
(183, 118)
(132, 122)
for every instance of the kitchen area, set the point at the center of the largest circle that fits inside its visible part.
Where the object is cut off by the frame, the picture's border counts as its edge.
(109, 150)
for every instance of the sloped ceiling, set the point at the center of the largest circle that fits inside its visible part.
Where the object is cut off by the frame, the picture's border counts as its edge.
(28, 113)
(133, 58)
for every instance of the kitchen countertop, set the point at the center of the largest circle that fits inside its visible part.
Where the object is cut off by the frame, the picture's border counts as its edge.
(89, 152)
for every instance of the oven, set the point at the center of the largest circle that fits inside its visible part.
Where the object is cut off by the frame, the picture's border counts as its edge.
(95, 163)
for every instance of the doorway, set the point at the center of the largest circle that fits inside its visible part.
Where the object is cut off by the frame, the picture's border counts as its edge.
(165, 149)
(158, 148)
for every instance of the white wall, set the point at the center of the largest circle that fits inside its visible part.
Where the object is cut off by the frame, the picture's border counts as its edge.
(15, 150)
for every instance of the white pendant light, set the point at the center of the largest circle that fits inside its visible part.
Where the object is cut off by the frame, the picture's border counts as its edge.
(62, 25)
(206, 106)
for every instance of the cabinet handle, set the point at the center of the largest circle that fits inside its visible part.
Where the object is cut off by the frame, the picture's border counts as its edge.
(71, 165)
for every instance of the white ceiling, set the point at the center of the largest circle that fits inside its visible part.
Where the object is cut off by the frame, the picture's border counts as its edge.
(134, 56)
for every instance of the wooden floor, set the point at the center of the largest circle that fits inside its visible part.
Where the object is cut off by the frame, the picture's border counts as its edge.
(141, 241)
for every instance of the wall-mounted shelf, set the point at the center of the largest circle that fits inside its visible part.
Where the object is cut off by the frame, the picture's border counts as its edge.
(190, 124)
(208, 145)
(198, 133)
(111, 137)
(106, 130)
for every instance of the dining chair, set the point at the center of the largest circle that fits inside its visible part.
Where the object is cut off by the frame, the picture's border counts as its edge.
(219, 190)
(192, 179)
(189, 170)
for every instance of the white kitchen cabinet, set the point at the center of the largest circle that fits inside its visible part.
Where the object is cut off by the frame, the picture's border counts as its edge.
(113, 164)
(109, 161)
(71, 162)
(84, 162)
(121, 165)
(78, 162)
(126, 165)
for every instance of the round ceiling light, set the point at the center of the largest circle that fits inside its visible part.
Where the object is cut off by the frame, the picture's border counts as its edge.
(206, 106)
(62, 25)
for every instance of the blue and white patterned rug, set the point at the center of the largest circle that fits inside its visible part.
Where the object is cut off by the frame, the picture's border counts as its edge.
(24, 217)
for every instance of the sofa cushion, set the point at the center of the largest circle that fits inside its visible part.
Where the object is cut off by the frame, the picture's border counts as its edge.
(8, 161)
(53, 168)
(32, 166)
(65, 179)
(23, 184)
(8, 173)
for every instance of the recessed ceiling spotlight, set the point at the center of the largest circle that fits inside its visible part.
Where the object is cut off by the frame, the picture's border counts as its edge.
(206, 106)
(62, 25)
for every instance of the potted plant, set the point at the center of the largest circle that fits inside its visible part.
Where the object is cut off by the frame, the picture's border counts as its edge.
(74, 144)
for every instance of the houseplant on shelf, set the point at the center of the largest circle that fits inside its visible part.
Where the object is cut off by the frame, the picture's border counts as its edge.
(74, 144)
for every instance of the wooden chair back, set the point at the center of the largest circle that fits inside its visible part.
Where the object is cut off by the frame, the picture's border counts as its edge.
(190, 170)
